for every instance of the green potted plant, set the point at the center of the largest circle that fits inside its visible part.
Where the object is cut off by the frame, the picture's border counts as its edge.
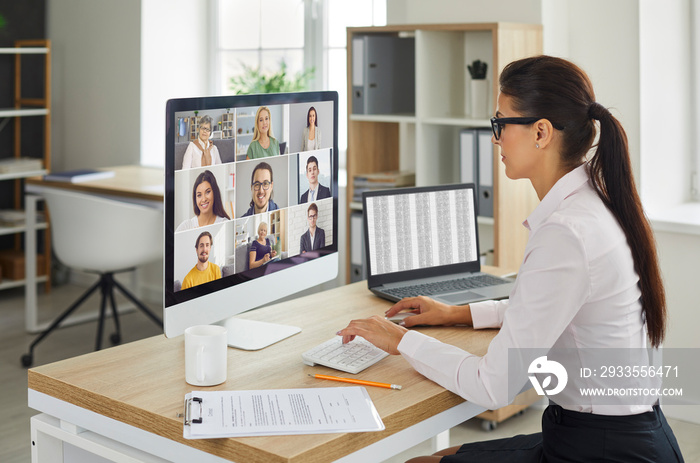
(253, 80)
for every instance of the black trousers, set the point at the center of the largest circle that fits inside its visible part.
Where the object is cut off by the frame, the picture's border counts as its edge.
(574, 437)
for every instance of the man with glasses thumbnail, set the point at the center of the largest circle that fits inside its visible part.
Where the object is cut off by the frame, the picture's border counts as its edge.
(261, 186)
(314, 238)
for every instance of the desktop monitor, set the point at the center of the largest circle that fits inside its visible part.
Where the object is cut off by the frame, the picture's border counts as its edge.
(249, 219)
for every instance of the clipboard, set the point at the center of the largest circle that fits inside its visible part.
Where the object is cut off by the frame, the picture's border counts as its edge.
(276, 412)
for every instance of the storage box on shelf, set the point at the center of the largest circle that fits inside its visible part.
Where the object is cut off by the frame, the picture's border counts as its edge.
(426, 141)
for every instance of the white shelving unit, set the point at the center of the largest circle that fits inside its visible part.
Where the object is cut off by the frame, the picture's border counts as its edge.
(427, 141)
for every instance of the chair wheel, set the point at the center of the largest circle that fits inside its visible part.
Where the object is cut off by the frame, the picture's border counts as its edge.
(27, 360)
(116, 338)
(488, 425)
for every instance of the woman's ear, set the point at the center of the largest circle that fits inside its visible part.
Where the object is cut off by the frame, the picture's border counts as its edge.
(543, 132)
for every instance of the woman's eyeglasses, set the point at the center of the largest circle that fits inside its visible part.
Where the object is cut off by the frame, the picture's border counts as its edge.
(265, 185)
(498, 123)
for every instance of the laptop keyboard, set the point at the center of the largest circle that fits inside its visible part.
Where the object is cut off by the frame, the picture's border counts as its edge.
(444, 287)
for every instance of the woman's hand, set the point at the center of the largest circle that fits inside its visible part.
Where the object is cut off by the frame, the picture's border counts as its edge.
(430, 312)
(266, 258)
(377, 330)
(273, 253)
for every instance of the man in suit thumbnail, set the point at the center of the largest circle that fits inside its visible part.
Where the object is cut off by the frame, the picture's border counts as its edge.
(316, 191)
(204, 271)
(314, 238)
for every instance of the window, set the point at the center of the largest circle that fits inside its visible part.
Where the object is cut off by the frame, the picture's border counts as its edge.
(258, 34)
(305, 33)
(695, 95)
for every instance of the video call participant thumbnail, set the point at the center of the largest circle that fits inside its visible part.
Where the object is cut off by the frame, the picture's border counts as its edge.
(261, 188)
(201, 151)
(316, 191)
(207, 204)
(204, 271)
(315, 237)
(264, 143)
(311, 139)
(261, 251)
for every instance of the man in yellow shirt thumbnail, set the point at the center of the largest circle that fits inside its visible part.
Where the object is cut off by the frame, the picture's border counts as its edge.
(204, 271)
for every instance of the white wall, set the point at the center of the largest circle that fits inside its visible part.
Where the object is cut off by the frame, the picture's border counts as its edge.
(665, 99)
(603, 38)
(463, 11)
(174, 64)
(96, 72)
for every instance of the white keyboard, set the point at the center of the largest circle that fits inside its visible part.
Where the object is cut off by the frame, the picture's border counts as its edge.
(352, 357)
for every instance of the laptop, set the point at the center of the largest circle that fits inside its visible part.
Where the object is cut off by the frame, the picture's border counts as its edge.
(425, 241)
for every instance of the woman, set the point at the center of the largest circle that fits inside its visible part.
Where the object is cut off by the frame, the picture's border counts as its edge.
(261, 250)
(201, 152)
(589, 279)
(206, 200)
(311, 140)
(264, 143)
(261, 188)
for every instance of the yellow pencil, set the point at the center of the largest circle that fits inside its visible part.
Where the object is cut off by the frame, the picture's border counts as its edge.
(358, 381)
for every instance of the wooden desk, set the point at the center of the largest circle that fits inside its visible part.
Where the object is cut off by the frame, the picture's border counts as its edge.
(139, 184)
(133, 393)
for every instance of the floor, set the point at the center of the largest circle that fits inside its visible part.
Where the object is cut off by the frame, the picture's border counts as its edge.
(79, 339)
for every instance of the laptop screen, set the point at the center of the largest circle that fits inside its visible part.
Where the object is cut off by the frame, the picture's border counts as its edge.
(412, 229)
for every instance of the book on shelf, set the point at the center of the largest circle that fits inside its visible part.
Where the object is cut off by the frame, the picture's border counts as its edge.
(78, 176)
(16, 165)
(381, 181)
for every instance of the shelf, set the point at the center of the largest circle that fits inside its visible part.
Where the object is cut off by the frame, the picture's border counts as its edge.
(26, 174)
(411, 118)
(7, 283)
(24, 51)
(460, 121)
(355, 206)
(20, 228)
(21, 112)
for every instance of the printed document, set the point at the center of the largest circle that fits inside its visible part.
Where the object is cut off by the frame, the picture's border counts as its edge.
(212, 414)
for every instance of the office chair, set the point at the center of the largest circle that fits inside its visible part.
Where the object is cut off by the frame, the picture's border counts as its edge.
(102, 236)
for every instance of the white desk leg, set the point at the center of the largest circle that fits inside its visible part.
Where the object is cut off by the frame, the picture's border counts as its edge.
(46, 448)
(30, 281)
(441, 441)
(49, 433)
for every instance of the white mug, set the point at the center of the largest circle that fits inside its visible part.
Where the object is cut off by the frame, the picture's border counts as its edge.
(206, 356)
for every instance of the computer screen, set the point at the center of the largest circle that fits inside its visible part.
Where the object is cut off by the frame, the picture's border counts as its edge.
(419, 228)
(251, 202)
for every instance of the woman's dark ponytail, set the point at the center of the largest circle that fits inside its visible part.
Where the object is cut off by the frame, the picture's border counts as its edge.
(610, 170)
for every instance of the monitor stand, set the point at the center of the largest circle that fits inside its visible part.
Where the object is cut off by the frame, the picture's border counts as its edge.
(255, 335)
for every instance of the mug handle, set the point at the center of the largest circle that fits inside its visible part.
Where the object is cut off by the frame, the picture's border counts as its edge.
(200, 364)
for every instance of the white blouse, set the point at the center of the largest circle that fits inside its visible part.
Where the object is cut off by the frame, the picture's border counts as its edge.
(191, 224)
(193, 155)
(576, 288)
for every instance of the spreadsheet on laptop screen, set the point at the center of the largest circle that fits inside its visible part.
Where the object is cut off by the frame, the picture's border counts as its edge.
(420, 230)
